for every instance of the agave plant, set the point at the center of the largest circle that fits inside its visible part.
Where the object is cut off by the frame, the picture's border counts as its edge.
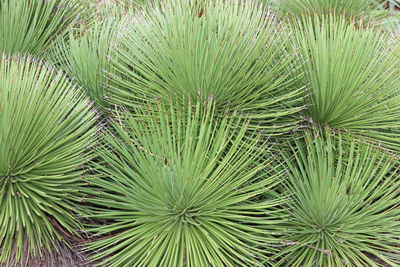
(30, 26)
(181, 188)
(369, 11)
(345, 208)
(231, 52)
(46, 126)
(353, 77)
(85, 56)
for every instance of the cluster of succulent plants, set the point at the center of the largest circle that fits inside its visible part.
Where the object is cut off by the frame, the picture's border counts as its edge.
(200, 133)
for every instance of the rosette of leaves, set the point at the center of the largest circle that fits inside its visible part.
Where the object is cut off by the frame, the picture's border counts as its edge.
(46, 127)
(30, 26)
(353, 79)
(180, 187)
(86, 54)
(234, 53)
(345, 204)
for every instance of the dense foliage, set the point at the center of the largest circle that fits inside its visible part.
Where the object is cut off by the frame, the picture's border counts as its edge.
(353, 78)
(46, 129)
(345, 205)
(182, 189)
(30, 26)
(366, 11)
(199, 133)
(86, 56)
(228, 52)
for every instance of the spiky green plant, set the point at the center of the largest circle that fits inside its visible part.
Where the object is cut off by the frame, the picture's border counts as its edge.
(231, 52)
(181, 188)
(369, 11)
(345, 208)
(353, 78)
(85, 56)
(30, 26)
(46, 126)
